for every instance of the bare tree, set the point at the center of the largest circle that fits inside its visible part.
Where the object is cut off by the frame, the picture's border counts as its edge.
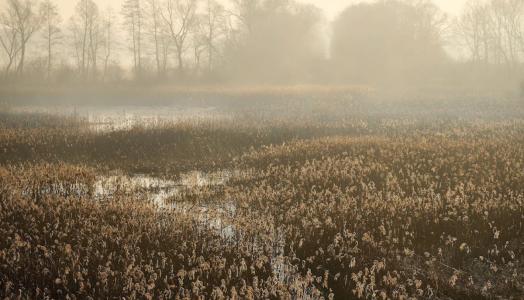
(198, 41)
(95, 41)
(498, 24)
(9, 39)
(159, 36)
(153, 9)
(507, 22)
(380, 40)
(51, 20)
(85, 30)
(493, 31)
(132, 13)
(76, 36)
(179, 16)
(26, 21)
(245, 12)
(108, 25)
(472, 29)
(214, 20)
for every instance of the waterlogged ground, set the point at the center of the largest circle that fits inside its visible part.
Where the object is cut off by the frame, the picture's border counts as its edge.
(398, 204)
(112, 118)
(167, 194)
(157, 189)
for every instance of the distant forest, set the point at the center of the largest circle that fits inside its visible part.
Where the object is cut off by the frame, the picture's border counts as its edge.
(260, 41)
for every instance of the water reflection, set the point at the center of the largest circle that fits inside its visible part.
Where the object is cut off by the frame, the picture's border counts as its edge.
(161, 192)
(157, 189)
(125, 118)
(174, 199)
(113, 118)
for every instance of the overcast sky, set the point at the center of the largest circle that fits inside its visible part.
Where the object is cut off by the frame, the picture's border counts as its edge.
(331, 7)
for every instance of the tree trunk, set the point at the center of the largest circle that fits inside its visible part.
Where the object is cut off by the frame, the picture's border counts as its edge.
(180, 59)
(20, 69)
(49, 54)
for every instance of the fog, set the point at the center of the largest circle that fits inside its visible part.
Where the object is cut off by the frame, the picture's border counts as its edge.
(331, 7)
(402, 44)
(262, 149)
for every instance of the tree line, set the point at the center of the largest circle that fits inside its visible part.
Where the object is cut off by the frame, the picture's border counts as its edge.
(253, 40)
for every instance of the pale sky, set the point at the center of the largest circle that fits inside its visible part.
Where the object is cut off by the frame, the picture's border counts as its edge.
(331, 7)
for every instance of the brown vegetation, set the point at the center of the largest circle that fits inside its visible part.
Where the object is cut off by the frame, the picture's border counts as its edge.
(389, 205)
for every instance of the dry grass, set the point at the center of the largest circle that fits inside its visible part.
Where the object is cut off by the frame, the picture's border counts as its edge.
(380, 207)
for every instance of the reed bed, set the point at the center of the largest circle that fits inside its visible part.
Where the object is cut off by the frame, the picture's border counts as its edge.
(399, 205)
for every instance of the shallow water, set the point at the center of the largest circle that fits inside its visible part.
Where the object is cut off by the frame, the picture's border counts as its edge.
(114, 118)
(217, 217)
(159, 191)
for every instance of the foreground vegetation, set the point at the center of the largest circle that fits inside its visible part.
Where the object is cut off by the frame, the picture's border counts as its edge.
(375, 205)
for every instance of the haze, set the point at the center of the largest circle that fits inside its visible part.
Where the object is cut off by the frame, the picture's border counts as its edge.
(262, 149)
(331, 7)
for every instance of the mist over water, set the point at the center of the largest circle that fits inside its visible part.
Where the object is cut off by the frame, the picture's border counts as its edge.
(261, 149)
(395, 44)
